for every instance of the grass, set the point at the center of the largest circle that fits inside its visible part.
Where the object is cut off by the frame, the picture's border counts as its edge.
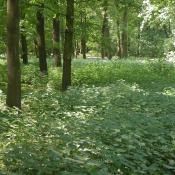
(118, 118)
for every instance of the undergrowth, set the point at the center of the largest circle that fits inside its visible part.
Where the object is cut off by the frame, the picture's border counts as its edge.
(116, 119)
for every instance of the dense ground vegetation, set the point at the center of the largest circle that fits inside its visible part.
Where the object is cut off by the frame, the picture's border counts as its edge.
(87, 87)
(118, 118)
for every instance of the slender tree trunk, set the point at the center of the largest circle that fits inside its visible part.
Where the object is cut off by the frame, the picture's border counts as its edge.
(104, 29)
(13, 61)
(23, 40)
(62, 34)
(106, 42)
(77, 48)
(125, 33)
(83, 47)
(56, 42)
(120, 49)
(24, 49)
(41, 40)
(36, 48)
(139, 37)
(73, 48)
(169, 27)
(68, 45)
(166, 30)
(83, 36)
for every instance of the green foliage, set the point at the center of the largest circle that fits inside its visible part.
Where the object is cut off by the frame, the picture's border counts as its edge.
(120, 121)
(153, 42)
(3, 77)
(104, 72)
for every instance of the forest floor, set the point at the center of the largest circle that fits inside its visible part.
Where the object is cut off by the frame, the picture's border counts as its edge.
(118, 118)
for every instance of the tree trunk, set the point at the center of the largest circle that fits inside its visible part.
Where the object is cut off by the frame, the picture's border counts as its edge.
(83, 47)
(41, 40)
(139, 37)
(125, 33)
(77, 48)
(68, 45)
(106, 42)
(24, 49)
(62, 34)
(104, 29)
(23, 41)
(120, 50)
(166, 30)
(56, 42)
(13, 61)
(83, 36)
(36, 48)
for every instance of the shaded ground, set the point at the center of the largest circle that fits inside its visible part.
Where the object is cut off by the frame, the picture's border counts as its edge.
(121, 121)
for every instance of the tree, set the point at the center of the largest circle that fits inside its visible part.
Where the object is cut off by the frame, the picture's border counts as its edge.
(41, 39)
(125, 32)
(83, 36)
(105, 50)
(23, 40)
(68, 46)
(56, 41)
(13, 61)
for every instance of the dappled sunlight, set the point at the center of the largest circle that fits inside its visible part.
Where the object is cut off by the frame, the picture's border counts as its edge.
(87, 87)
(122, 124)
(169, 91)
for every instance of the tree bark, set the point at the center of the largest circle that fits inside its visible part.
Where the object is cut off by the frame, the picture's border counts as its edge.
(83, 47)
(24, 49)
(23, 40)
(104, 33)
(139, 38)
(41, 40)
(120, 50)
(68, 45)
(13, 61)
(36, 48)
(56, 42)
(125, 33)
(77, 47)
(83, 36)
(62, 33)
(106, 42)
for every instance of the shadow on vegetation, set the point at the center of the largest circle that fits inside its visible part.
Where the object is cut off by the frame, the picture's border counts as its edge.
(3, 77)
(103, 125)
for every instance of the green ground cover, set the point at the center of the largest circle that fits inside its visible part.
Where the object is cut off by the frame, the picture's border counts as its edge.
(118, 118)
